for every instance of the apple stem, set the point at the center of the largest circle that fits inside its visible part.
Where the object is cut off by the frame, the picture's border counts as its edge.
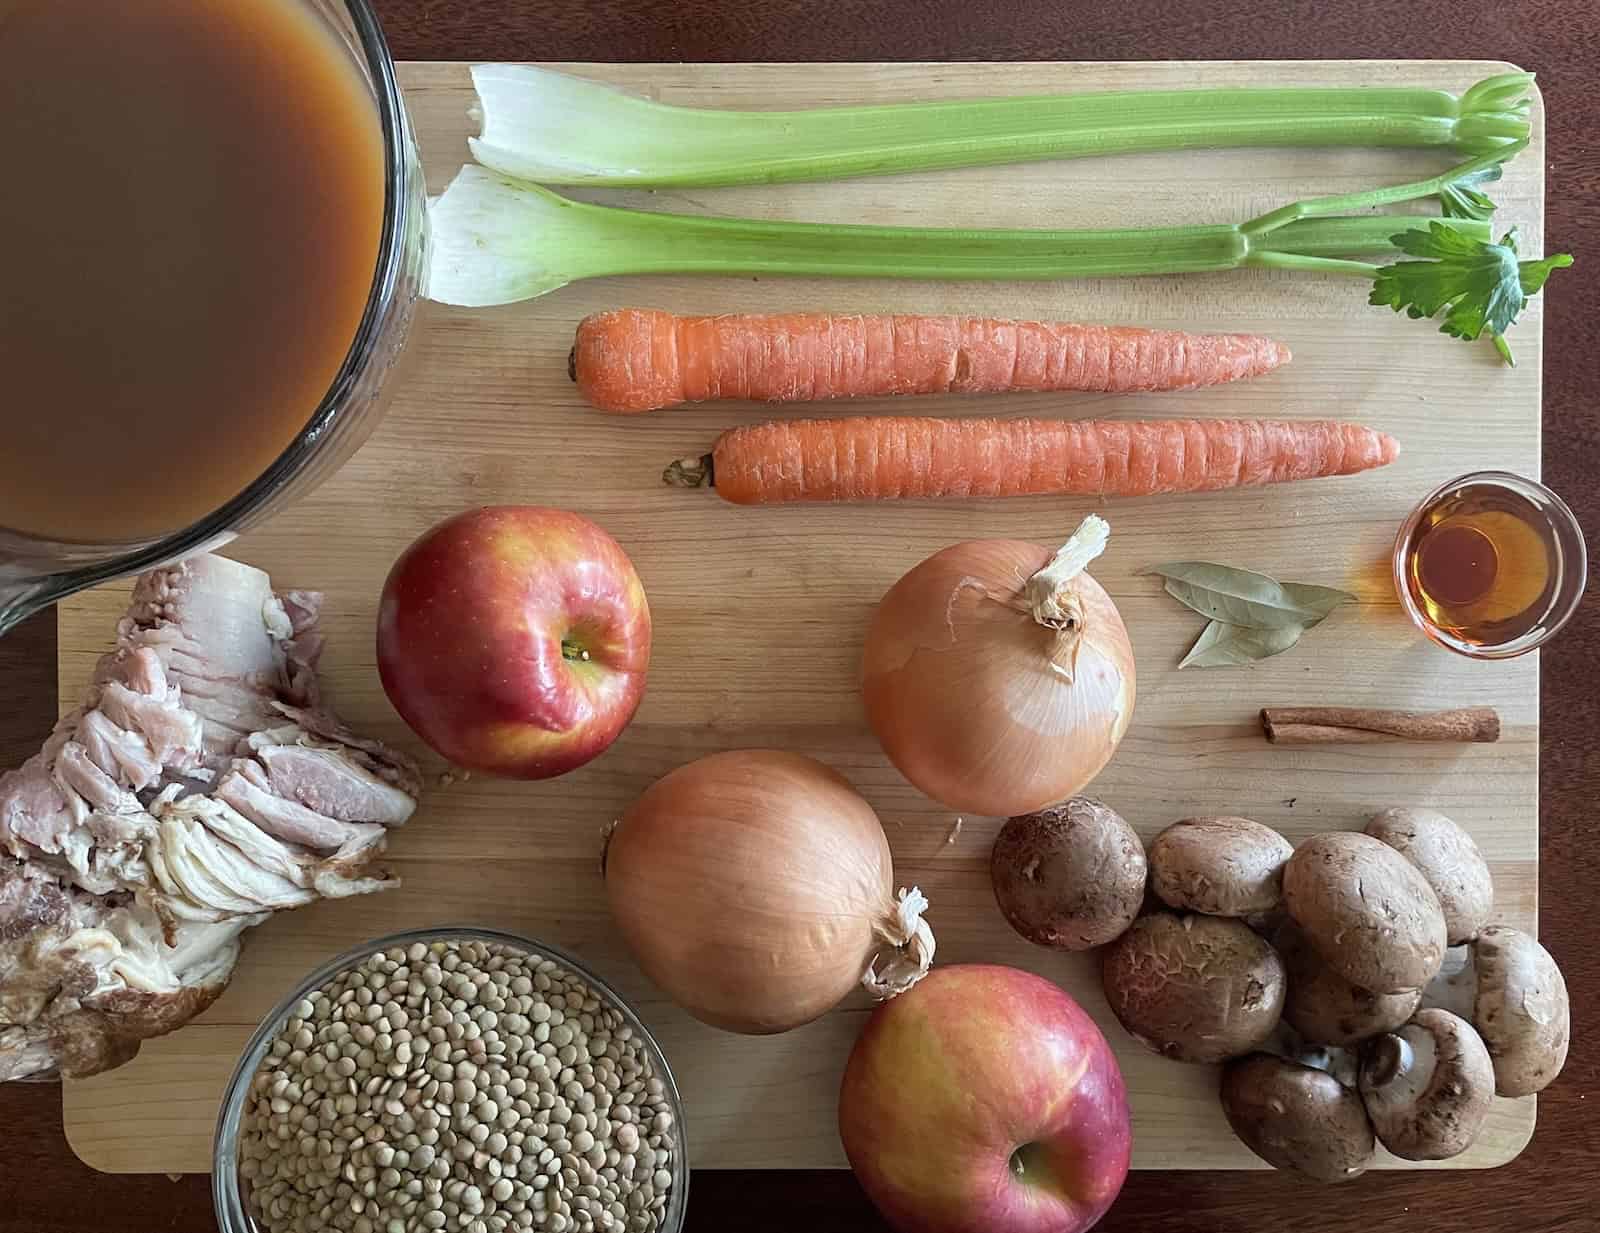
(1029, 1165)
(571, 650)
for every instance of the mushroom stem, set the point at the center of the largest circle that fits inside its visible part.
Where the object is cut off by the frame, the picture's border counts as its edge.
(1427, 1087)
(1343, 1064)
(1286, 1043)
(1455, 988)
(1393, 1060)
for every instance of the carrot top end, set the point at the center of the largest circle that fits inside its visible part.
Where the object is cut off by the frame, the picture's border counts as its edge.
(690, 473)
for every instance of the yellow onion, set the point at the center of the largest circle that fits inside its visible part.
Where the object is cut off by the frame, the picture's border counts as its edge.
(754, 887)
(999, 677)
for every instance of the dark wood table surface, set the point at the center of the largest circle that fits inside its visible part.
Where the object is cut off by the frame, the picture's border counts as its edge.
(1552, 1186)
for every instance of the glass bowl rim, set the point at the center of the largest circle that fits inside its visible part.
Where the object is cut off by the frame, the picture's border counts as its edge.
(399, 167)
(226, 1194)
(1526, 487)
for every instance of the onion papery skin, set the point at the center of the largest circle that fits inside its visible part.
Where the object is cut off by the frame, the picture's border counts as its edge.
(961, 694)
(747, 884)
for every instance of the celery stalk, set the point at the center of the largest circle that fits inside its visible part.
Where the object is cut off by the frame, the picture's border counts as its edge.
(557, 129)
(496, 240)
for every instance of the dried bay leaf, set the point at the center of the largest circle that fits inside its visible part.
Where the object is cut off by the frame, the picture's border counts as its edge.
(1321, 600)
(1244, 597)
(1252, 616)
(1234, 609)
(1222, 645)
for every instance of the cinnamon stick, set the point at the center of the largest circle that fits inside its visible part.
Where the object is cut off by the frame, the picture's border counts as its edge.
(1344, 725)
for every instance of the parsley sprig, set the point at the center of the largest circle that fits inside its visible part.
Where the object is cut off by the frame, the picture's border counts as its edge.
(1480, 287)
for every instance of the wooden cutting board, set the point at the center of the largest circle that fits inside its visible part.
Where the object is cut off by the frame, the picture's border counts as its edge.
(759, 613)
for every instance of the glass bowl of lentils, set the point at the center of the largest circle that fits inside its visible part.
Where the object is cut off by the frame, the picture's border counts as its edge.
(454, 1080)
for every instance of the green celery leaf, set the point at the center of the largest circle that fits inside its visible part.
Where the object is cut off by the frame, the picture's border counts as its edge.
(1481, 287)
(1442, 243)
(1462, 200)
(1534, 273)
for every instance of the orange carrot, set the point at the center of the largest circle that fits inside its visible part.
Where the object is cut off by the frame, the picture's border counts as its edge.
(639, 360)
(892, 457)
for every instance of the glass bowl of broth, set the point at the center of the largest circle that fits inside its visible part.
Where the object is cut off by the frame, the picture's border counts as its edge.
(215, 225)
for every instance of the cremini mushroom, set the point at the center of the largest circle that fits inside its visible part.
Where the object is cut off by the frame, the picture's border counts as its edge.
(1070, 876)
(1368, 911)
(1297, 1117)
(1194, 988)
(1324, 1007)
(1449, 859)
(1428, 1086)
(1219, 866)
(1512, 992)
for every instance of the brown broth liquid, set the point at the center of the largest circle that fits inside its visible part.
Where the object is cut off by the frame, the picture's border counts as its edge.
(191, 214)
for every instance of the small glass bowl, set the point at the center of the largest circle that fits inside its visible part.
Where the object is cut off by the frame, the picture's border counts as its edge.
(233, 1214)
(1569, 564)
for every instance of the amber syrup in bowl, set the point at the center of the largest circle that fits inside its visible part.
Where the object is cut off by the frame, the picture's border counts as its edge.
(1490, 564)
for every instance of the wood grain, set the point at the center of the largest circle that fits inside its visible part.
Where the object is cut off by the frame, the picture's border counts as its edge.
(1548, 1189)
(759, 613)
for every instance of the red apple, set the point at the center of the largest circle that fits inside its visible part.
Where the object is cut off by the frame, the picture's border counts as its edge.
(985, 1100)
(514, 640)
